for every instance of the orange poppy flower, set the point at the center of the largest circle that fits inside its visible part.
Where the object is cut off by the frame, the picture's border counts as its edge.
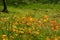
(30, 18)
(53, 22)
(28, 23)
(59, 24)
(46, 16)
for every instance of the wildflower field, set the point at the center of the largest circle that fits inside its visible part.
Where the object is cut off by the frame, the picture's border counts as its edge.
(29, 24)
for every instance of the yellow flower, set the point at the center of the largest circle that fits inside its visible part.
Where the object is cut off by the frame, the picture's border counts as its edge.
(29, 31)
(12, 37)
(47, 38)
(22, 32)
(59, 37)
(5, 18)
(14, 16)
(4, 37)
(45, 20)
(21, 29)
(17, 31)
(56, 38)
(33, 27)
(13, 29)
(1, 19)
(15, 23)
(38, 32)
(16, 34)
(30, 39)
(22, 23)
(23, 18)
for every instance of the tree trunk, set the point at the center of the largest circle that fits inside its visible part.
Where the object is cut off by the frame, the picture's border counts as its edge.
(5, 6)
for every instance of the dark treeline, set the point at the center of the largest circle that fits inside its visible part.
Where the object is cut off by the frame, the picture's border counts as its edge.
(32, 1)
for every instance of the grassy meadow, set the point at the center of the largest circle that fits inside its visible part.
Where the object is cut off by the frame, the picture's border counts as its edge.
(30, 22)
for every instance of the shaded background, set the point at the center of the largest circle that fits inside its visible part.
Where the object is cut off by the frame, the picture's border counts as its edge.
(17, 2)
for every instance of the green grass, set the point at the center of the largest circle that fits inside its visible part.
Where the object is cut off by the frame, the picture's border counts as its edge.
(39, 9)
(12, 22)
